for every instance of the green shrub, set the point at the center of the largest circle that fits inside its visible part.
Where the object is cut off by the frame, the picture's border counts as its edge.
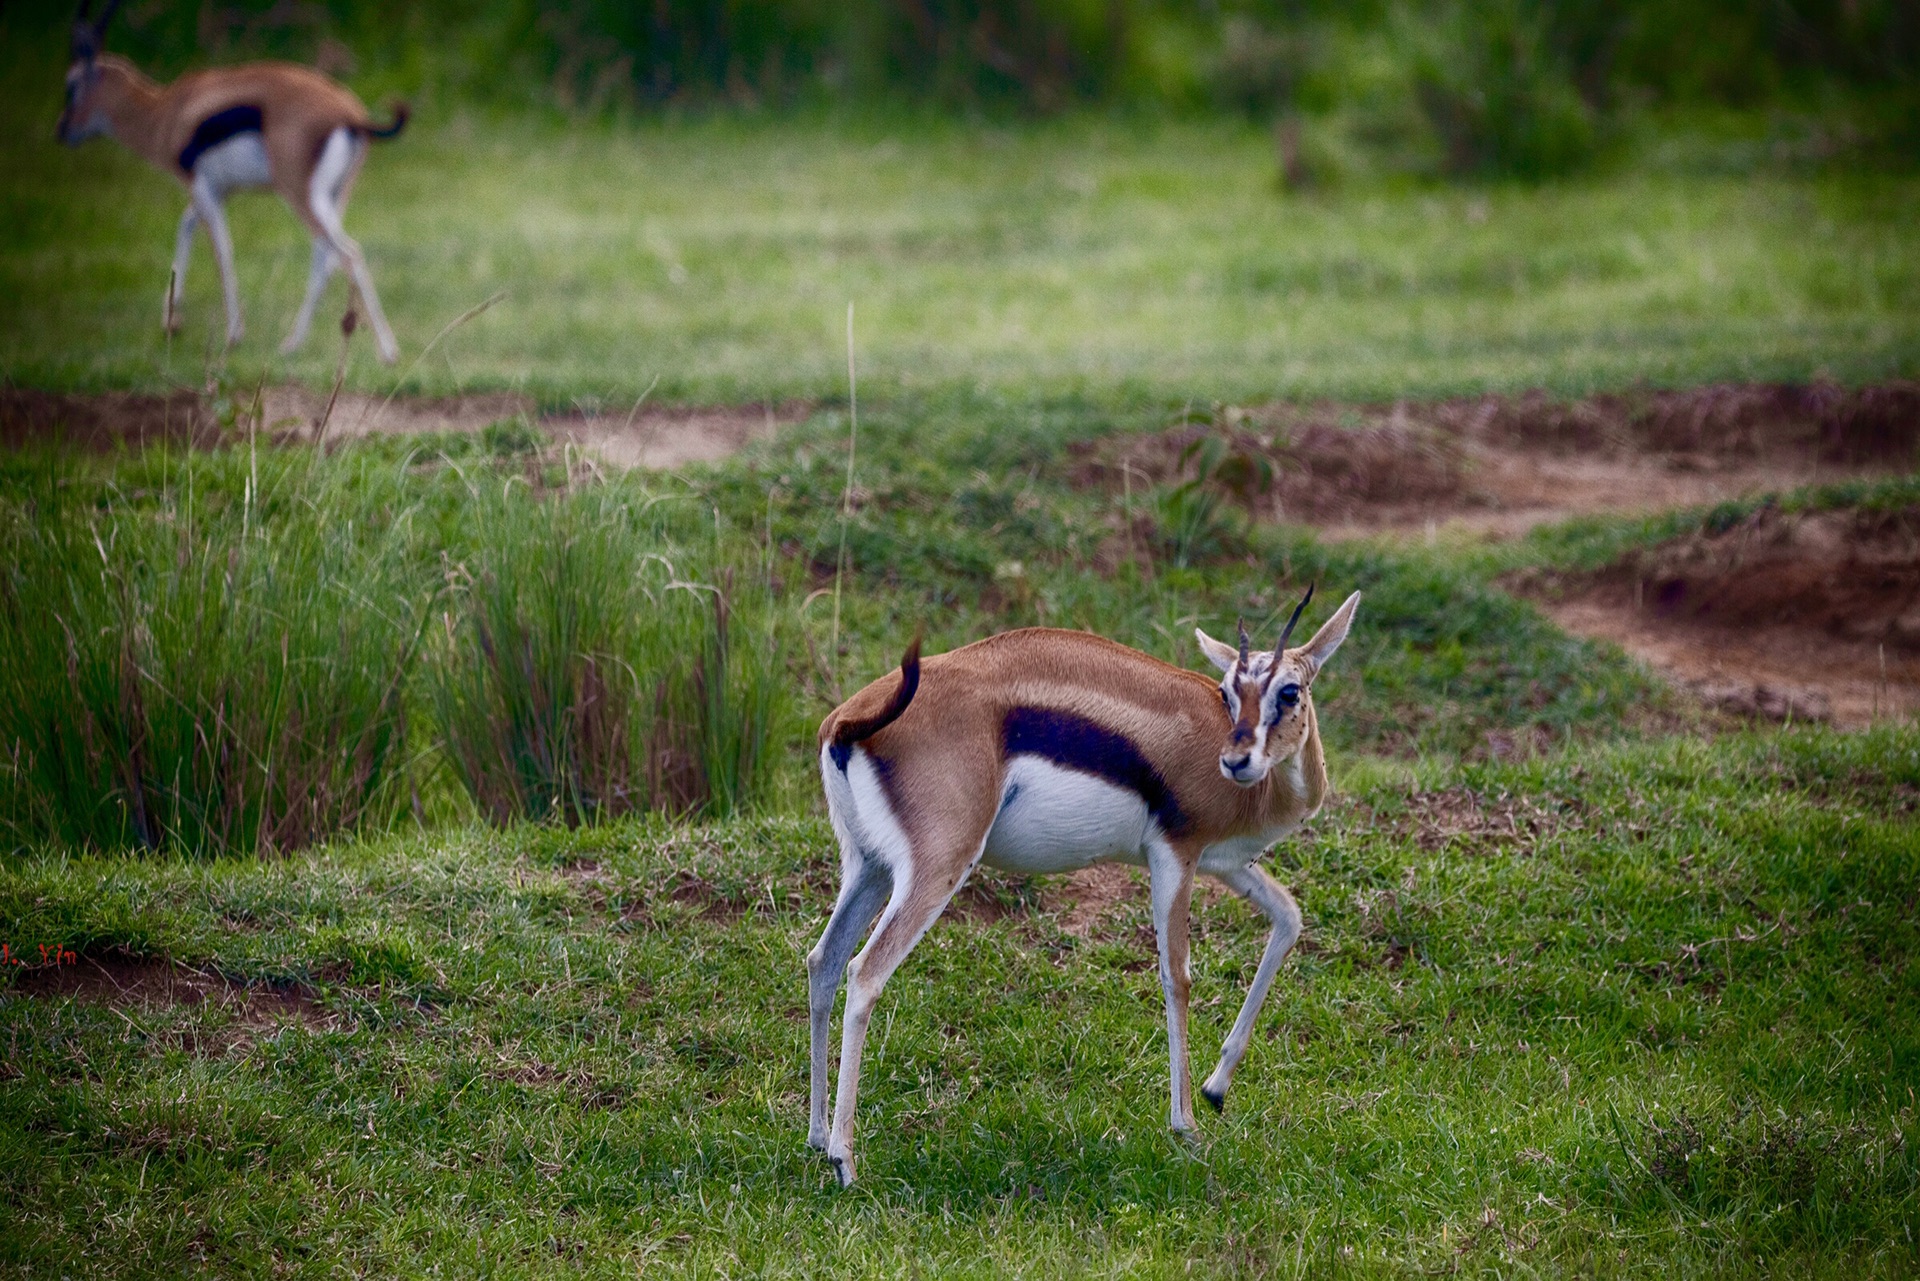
(208, 671)
(583, 669)
(1499, 96)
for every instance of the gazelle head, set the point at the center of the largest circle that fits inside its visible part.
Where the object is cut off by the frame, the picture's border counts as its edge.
(84, 116)
(1267, 693)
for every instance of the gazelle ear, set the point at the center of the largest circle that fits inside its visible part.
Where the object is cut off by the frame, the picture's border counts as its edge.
(1220, 654)
(1315, 653)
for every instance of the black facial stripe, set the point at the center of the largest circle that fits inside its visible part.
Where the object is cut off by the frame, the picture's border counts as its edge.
(1076, 743)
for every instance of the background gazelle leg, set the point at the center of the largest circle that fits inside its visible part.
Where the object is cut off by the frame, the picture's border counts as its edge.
(177, 281)
(1258, 887)
(206, 203)
(338, 159)
(325, 263)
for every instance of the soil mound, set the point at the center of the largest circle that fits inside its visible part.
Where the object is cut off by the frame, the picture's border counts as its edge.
(1496, 466)
(1782, 615)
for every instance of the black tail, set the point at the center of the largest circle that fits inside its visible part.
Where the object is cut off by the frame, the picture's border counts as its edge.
(400, 113)
(849, 732)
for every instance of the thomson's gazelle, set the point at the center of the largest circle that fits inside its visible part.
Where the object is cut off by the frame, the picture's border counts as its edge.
(264, 124)
(1042, 751)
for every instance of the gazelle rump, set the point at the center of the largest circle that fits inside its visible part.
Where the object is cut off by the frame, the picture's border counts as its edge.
(1042, 751)
(262, 124)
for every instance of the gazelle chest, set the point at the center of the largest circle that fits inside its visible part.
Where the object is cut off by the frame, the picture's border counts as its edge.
(1054, 819)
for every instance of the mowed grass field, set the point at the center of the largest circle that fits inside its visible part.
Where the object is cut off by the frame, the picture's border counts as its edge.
(1098, 256)
(1637, 1003)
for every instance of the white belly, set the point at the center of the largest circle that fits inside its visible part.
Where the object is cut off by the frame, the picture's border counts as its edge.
(240, 161)
(1054, 820)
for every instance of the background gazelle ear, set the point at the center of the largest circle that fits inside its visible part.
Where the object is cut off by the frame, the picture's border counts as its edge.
(1220, 654)
(1315, 653)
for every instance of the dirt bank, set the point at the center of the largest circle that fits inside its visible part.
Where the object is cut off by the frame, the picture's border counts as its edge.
(1497, 466)
(1783, 615)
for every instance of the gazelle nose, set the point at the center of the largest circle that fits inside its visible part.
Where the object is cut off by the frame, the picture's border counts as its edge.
(1234, 764)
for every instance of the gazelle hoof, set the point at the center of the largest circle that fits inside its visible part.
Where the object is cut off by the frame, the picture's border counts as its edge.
(1217, 1100)
(817, 1140)
(843, 1167)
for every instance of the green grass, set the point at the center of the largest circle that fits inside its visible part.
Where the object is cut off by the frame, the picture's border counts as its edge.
(1656, 1023)
(1122, 258)
(1638, 1007)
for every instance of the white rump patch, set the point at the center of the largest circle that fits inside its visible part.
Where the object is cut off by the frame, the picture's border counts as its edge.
(863, 817)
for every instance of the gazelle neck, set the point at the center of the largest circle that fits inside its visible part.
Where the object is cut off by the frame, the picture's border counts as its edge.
(131, 103)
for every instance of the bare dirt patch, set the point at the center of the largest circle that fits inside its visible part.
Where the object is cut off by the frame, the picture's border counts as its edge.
(653, 436)
(1086, 897)
(148, 983)
(1783, 616)
(1497, 466)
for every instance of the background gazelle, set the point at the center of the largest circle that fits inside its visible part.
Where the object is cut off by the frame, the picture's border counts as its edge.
(1041, 751)
(264, 124)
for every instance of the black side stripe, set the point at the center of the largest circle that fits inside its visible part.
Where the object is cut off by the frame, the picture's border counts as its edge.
(1076, 743)
(216, 129)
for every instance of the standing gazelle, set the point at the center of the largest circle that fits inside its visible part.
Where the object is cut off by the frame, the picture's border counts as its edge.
(264, 124)
(1042, 751)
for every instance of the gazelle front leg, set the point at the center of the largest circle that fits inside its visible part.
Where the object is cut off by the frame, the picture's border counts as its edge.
(321, 269)
(206, 203)
(1171, 875)
(177, 281)
(1258, 887)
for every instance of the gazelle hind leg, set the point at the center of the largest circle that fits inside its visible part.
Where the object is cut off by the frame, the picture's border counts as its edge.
(1170, 875)
(325, 262)
(177, 280)
(1258, 887)
(338, 158)
(915, 904)
(863, 892)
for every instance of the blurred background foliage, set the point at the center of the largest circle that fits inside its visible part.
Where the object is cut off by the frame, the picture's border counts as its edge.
(1526, 88)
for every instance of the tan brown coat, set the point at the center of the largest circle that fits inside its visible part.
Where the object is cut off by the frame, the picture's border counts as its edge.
(1073, 746)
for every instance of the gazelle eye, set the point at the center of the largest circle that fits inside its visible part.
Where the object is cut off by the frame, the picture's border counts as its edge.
(1290, 694)
(1224, 700)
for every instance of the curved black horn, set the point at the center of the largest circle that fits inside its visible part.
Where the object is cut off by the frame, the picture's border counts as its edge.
(1281, 647)
(82, 41)
(1243, 644)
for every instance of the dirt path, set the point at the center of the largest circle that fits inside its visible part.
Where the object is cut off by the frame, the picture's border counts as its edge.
(655, 436)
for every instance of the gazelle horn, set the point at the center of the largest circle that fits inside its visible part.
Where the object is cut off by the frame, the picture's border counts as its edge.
(1281, 647)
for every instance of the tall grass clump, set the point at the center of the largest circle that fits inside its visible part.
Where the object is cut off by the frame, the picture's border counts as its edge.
(587, 663)
(218, 666)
